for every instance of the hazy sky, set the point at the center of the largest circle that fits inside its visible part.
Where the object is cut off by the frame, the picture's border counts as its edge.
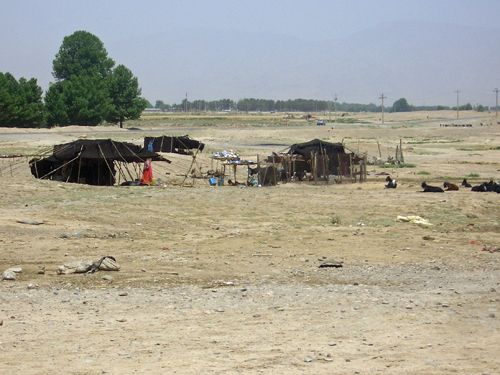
(32, 32)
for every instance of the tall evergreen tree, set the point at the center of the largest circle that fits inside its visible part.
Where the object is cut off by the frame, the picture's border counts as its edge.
(81, 53)
(80, 95)
(20, 102)
(125, 96)
(80, 100)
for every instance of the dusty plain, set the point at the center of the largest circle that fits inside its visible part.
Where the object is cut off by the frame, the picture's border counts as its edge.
(223, 280)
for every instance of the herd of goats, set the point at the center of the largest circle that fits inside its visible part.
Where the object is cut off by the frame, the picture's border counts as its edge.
(490, 186)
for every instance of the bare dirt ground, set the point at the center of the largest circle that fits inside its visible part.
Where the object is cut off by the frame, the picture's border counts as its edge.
(226, 280)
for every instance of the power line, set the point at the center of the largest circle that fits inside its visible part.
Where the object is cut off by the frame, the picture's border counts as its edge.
(382, 97)
(496, 102)
(458, 107)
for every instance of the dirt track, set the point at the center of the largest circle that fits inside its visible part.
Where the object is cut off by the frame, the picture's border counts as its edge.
(226, 280)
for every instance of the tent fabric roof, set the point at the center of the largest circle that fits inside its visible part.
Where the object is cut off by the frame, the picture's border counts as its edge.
(176, 144)
(316, 145)
(104, 149)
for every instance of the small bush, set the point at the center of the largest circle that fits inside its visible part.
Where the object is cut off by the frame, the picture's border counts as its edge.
(473, 175)
(400, 165)
(423, 173)
(335, 220)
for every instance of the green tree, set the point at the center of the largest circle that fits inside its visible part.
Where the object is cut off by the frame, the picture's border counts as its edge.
(480, 108)
(401, 105)
(80, 95)
(31, 110)
(81, 53)
(20, 102)
(8, 89)
(80, 100)
(125, 93)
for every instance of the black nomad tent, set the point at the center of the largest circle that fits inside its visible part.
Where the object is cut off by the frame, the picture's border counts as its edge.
(179, 145)
(91, 162)
(323, 159)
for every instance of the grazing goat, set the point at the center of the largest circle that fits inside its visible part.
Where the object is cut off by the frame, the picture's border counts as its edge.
(431, 189)
(449, 186)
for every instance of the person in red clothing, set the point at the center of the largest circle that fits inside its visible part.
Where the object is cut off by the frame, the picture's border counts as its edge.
(147, 173)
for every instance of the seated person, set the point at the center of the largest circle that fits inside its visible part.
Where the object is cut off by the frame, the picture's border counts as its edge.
(391, 183)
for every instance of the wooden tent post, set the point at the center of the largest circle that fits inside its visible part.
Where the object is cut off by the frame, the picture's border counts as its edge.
(401, 150)
(125, 164)
(107, 164)
(379, 152)
(79, 169)
(313, 165)
(350, 166)
(55, 170)
(192, 162)
(365, 163)
(325, 166)
(274, 172)
(339, 169)
(258, 170)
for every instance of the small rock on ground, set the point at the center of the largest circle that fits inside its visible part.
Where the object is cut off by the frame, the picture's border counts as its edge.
(9, 275)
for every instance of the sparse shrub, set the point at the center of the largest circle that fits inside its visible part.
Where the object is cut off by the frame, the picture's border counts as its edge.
(473, 175)
(399, 165)
(423, 173)
(335, 219)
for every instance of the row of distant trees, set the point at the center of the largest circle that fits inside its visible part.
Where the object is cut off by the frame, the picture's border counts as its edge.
(298, 105)
(88, 90)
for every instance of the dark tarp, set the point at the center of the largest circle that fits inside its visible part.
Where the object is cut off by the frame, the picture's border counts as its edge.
(318, 146)
(89, 161)
(178, 145)
(104, 149)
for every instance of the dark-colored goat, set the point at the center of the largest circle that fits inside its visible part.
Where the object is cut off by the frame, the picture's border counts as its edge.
(450, 186)
(431, 189)
(466, 184)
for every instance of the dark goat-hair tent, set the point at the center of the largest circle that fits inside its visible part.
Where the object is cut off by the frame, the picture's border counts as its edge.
(328, 159)
(179, 145)
(316, 145)
(90, 161)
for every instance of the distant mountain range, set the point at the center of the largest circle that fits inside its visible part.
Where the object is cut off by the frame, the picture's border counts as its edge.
(423, 62)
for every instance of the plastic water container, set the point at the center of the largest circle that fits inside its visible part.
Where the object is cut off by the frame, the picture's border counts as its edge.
(212, 181)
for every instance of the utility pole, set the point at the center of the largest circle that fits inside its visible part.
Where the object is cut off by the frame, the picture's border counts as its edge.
(382, 97)
(186, 104)
(496, 102)
(458, 106)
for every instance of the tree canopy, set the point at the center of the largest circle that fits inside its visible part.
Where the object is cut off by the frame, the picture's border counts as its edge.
(81, 53)
(88, 90)
(401, 105)
(125, 96)
(20, 102)
(81, 100)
